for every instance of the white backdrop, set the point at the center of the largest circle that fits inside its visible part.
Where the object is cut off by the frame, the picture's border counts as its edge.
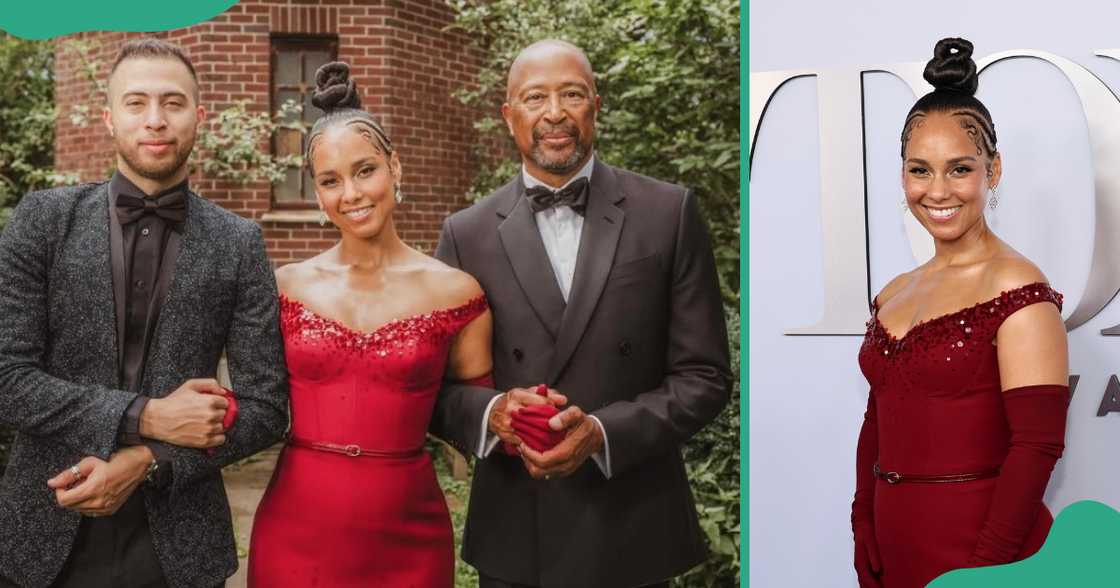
(806, 392)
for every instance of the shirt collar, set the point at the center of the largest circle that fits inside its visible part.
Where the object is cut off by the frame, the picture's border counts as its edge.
(119, 184)
(584, 172)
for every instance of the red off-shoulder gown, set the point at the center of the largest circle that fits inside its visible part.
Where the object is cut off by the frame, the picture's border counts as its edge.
(336, 521)
(935, 407)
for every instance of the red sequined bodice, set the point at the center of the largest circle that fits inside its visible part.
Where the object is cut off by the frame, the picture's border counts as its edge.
(373, 389)
(349, 521)
(937, 389)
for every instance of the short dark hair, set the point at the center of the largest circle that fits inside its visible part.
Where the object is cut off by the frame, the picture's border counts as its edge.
(952, 73)
(158, 48)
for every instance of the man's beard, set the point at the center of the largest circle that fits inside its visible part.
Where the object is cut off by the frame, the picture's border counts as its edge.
(553, 164)
(161, 170)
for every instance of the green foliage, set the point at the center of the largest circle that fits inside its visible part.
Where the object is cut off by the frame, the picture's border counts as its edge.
(89, 68)
(229, 148)
(27, 115)
(712, 461)
(457, 493)
(668, 73)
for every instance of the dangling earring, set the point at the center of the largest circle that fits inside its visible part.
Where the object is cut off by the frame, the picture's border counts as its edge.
(322, 218)
(905, 205)
(399, 197)
(993, 197)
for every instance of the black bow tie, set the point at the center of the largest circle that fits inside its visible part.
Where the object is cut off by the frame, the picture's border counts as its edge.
(171, 207)
(574, 196)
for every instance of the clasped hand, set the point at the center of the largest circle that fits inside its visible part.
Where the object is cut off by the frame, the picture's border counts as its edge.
(582, 436)
(191, 416)
(102, 486)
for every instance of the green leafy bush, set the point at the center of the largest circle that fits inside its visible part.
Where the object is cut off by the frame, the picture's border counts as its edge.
(230, 146)
(27, 115)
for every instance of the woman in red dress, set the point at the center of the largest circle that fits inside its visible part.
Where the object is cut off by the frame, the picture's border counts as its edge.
(371, 329)
(966, 361)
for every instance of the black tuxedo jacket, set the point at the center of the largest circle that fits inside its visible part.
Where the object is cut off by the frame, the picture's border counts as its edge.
(641, 344)
(60, 386)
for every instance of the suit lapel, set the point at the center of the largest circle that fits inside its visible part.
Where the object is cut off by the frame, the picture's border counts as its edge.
(116, 249)
(521, 240)
(602, 226)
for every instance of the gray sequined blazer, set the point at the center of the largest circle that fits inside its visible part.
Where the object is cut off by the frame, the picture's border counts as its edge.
(59, 383)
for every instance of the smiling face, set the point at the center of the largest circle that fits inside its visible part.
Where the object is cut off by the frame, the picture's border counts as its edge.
(355, 183)
(946, 176)
(153, 116)
(550, 110)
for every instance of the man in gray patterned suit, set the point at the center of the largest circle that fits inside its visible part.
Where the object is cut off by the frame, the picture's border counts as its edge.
(117, 300)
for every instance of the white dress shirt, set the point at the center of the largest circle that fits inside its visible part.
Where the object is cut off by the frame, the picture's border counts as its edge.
(560, 228)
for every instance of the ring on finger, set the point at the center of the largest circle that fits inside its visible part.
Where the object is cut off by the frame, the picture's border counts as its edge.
(75, 471)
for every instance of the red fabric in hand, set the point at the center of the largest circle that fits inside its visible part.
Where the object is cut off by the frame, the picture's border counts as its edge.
(1036, 416)
(231, 411)
(531, 425)
(484, 381)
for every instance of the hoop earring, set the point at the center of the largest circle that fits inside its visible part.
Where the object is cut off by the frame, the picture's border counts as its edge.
(993, 198)
(322, 218)
(399, 196)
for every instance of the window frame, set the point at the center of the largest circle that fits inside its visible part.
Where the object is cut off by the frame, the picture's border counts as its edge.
(276, 44)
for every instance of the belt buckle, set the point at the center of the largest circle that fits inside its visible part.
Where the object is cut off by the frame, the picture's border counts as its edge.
(353, 450)
(893, 477)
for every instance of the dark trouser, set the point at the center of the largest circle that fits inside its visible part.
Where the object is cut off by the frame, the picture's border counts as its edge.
(485, 581)
(114, 552)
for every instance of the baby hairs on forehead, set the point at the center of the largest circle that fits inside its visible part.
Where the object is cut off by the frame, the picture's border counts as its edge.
(976, 123)
(356, 120)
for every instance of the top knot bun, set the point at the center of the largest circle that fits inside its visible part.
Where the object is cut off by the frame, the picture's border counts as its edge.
(334, 89)
(952, 68)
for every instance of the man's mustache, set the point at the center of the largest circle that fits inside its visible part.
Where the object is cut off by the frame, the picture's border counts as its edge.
(539, 133)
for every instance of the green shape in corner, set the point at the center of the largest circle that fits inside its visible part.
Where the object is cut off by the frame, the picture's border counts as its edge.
(1080, 551)
(43, 19)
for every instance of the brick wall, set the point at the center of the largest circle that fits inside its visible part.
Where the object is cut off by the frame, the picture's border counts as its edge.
(405, 63)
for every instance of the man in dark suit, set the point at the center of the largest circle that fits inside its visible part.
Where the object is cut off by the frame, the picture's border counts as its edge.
(603, 285)
(117, 300)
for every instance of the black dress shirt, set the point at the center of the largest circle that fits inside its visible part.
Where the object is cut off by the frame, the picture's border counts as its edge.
(118, 550)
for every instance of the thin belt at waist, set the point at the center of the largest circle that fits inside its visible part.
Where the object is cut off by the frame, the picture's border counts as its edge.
(898, 478)
(353, 450)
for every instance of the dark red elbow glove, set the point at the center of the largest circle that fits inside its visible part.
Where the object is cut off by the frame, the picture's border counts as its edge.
(1036, 416)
